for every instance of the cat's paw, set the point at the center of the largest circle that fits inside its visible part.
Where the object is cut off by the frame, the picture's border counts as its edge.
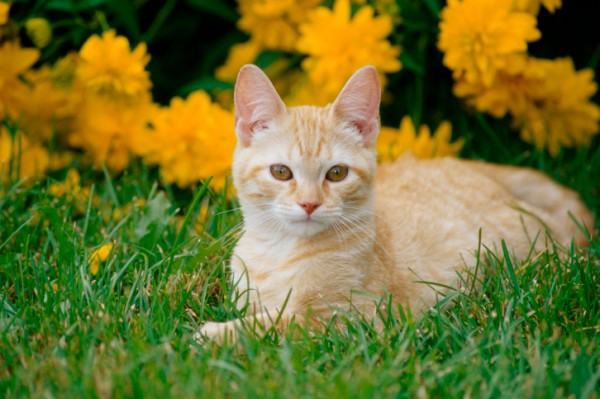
(216, 332)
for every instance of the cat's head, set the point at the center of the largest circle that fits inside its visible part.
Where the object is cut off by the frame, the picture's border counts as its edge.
(305, 170)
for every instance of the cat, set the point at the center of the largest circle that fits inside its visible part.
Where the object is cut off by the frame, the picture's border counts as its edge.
(325, 228)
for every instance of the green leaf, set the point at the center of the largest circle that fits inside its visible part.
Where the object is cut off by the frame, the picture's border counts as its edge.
(411, 64)
(207, 83)
(89, 4)
(154, 220)
(217, 8)
(159, 20)
(195, 201)
(435, 7)
(267, 58)
(72, 5)
(511, 269)
(125, 13)
(61, 5)
(63, 233)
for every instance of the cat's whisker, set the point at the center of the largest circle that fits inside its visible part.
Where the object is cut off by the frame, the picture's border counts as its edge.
(370, 234)
(355, 228)
(232, 210)
(338, 232)
(363, 210)
(233, 233)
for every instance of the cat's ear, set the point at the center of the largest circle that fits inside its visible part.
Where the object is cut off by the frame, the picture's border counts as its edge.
(256, 102)
(358, 103)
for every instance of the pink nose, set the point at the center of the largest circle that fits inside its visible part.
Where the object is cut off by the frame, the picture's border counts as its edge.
(309, 207)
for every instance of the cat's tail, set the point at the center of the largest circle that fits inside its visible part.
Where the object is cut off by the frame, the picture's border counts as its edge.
(570, 218)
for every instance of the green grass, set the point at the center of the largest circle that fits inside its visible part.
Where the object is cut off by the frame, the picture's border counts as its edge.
(530, 330)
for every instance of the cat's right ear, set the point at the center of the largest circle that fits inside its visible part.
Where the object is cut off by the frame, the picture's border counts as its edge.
(256, 102)
(358, 103)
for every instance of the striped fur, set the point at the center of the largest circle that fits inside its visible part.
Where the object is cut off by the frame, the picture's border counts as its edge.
(415, 222)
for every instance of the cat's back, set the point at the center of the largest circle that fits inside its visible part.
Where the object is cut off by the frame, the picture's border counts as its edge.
(430, 214)
(436, 189)
(502, 200)
(411, 178)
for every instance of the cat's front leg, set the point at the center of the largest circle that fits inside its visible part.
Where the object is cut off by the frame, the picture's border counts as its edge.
(228, 332)
(219, 332)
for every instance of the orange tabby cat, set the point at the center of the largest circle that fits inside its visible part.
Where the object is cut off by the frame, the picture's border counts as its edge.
(323, 223)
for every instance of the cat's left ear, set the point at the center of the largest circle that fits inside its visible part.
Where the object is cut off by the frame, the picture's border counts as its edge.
(358, 103)
(256, 102)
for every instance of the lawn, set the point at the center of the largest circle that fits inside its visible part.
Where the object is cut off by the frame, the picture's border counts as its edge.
(526, 329)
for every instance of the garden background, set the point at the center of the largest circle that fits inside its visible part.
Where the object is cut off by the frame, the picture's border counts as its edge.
(117, 219)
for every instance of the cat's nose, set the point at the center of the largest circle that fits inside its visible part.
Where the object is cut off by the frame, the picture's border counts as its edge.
(309, 207)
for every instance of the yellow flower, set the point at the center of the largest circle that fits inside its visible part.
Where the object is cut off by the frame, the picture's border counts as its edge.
(337, 44)
(305, 91)
(560, 112)
(509, 92)
(552, 5)
(60, 160)
(63, 71)
(119, 213)
(273, 24)
(107, 129)
(280, 73)
(117, 107)
(481, 37)
(202, 217)
(239, 55)
(393, 142)
(39, 30)
(533, 6)
(99, 255)
(14, 61)
(20, 157)
(4, 10)
(32, 97)
(109, 66)
(388, 7)
(72, 191)
(192, 140)
(49, 109)
(61, 189)
(550, 103)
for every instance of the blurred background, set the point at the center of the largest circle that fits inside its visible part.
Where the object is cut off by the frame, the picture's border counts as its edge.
(95, 84)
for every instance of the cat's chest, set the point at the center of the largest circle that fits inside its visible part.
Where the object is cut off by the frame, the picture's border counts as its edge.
(257, 277)
(274, 272)
(263, 255)
(260, 264)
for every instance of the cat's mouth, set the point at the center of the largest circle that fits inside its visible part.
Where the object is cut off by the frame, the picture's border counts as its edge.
(300, 223)
(306, 220)
(306, 226)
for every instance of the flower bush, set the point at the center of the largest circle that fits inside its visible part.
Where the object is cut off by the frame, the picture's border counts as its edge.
(485, 45)
(78, 86)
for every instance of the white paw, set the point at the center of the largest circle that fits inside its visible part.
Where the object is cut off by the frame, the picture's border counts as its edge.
(216, 332)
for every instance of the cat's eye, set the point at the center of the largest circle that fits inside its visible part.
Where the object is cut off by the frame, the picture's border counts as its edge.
(281, 172)
(337, 173)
